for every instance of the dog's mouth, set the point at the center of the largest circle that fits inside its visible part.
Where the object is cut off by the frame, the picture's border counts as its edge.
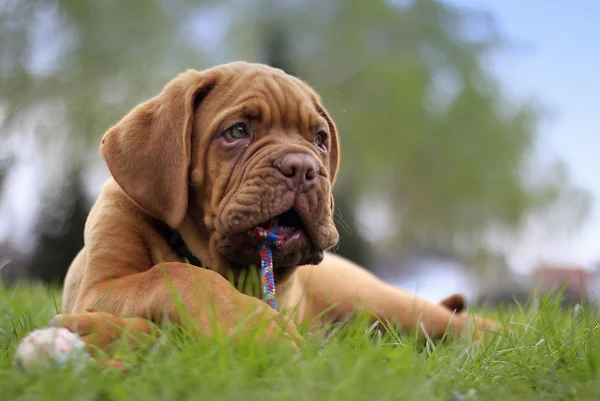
(297, 248)
(289, 224)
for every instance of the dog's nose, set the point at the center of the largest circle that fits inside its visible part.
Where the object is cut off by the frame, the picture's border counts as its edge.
(298, 168)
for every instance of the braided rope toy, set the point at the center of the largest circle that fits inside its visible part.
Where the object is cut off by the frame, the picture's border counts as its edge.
(267, 240)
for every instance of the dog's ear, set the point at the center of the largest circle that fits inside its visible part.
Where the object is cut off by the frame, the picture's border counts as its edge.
(334, 149)
(148, 152)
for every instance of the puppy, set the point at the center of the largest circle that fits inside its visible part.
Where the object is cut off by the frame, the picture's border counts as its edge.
(216, 153)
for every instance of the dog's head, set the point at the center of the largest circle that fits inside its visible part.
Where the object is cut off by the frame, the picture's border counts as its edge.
(233, 147)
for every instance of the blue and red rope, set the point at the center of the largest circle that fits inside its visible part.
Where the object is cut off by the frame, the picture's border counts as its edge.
(267, 239)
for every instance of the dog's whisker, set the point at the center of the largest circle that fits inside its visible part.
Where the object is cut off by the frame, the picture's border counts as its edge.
(347, 228)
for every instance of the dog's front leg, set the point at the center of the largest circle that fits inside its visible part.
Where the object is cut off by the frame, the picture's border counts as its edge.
(198, 299)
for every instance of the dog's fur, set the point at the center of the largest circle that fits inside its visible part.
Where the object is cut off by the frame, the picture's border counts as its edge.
(173, 159)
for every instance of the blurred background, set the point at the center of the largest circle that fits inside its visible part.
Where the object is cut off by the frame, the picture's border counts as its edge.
(468, 127)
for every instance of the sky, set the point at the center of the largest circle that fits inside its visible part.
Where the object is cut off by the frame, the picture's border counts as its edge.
(559, 64)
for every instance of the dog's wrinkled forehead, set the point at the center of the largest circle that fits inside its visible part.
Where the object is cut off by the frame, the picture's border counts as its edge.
(267, 94)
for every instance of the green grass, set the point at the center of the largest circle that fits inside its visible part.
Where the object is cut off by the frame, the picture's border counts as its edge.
(550, 354)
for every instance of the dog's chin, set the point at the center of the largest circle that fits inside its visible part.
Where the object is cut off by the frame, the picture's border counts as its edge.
(242, 251)
(297, 249)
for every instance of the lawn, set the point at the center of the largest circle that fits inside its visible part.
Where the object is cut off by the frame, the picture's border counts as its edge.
(549, 354)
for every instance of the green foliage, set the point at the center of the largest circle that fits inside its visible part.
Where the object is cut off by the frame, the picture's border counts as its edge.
(84, 63)
(549, 354)
(424, 124)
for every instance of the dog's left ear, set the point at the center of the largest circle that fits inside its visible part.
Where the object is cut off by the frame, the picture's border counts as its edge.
(148, 152)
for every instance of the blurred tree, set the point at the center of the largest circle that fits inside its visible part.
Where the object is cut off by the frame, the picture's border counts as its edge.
(5, 163)
(425, 127)
(68, 70)
(85, 63)
(60, 231)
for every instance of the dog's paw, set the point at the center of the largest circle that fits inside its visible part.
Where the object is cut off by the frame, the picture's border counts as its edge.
(479, 328)
(100, 330)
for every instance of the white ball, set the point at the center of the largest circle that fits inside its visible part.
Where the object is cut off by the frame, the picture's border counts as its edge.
(50, 347)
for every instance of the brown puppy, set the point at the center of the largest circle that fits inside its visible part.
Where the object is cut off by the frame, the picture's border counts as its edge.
(214, 154)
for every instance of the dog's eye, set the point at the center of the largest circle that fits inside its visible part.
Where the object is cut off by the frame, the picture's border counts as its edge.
(320, 141)
(236, 132)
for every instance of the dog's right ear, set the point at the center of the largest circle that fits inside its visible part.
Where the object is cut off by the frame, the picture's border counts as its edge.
(148, 152)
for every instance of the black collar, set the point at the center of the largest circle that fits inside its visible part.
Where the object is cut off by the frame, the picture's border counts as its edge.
(173, 238)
